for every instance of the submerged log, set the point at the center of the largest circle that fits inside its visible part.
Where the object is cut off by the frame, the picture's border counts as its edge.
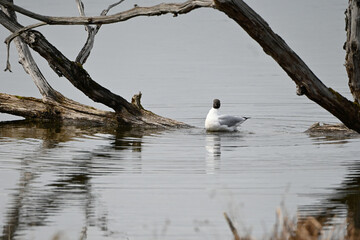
(338, 131)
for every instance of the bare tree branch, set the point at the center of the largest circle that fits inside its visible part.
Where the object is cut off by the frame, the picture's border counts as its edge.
(8, 65)
(81, 8)
(348, 112)
(126, 114)
(307, 82)
(160, 9)
(13, 36)
(74, 72)
(104, 12)
(89, 44)
(92, 31)
(29, 64)
(24, 29)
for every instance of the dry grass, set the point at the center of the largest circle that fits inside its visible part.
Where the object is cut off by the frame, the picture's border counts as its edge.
(287, 228)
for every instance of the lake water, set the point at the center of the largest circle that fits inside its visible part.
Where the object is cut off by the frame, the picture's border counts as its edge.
(96, 183)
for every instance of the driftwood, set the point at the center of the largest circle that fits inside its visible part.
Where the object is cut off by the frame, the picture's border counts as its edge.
(69, 111)
(38, 109)
(306, 81)
(125, 113)
(331, 130)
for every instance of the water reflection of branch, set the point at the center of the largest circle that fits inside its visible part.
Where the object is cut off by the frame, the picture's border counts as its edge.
(51, 132)
(344, 201)
(33, 205)
(11, 227)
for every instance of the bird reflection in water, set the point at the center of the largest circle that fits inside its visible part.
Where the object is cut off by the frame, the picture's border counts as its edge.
(213, 156)
(216, 142)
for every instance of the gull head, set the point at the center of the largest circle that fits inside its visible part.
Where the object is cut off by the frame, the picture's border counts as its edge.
(216, 103)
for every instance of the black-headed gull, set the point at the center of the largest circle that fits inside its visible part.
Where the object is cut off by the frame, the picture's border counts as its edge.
(215, 122)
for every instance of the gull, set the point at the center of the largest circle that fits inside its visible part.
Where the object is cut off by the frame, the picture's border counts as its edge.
(216, 123)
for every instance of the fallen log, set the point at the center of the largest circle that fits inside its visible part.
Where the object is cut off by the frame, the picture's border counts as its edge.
(73, 112)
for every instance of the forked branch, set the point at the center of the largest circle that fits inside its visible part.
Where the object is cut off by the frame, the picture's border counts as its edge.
(92, 31)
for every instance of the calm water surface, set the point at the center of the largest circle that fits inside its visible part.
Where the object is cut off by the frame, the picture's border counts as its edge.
(97, 183)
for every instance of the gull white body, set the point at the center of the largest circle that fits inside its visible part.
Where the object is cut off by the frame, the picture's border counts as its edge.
(216, 122)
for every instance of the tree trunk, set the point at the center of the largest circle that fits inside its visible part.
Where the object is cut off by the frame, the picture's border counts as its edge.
(352, 47)
(348, 112)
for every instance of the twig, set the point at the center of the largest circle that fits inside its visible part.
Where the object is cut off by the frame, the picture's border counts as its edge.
(232, 227)
(105, 12)
(81, 8)
(89, 44)
(24, 29)
(13, 36)
(86, 49)
(8, 65)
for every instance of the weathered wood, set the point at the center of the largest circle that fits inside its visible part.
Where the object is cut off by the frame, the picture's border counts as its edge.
(33, 108)
(352, 47)
(89, 44)
(125, 113)
(74, 72)
(30, 66)
(160, 9)
(92, 31)
(339, 131)
(69, 111)
(307, 82)
(348, 112)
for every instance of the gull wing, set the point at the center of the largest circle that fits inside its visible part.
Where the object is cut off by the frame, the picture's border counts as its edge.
(231, 121)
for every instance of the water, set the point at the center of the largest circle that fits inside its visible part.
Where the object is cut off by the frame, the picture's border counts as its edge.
(99, 183)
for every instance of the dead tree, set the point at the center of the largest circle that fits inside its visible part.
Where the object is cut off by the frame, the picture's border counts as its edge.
(133, 114)
(55, 106)
(352, 47)
(307, 82)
